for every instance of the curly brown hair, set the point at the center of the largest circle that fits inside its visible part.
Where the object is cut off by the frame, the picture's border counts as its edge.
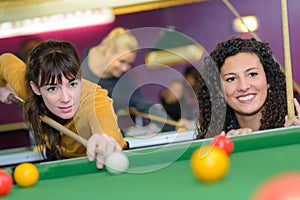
(213, 108)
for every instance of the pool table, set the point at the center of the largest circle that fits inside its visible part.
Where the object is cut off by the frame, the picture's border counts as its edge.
(163, 172)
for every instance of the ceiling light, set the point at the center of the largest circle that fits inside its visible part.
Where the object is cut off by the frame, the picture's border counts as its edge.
(56, 22)
(173, 48)
(245, 24)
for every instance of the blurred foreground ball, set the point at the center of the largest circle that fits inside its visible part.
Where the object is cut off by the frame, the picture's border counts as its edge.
(285, 186)
(210, 163)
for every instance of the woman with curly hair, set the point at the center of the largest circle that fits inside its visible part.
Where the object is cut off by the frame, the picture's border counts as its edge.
(241, 90)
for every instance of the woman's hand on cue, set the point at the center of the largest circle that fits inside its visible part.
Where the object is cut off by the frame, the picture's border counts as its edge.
(99, 145)
(4, 93)
(295, 121)
(183, 123)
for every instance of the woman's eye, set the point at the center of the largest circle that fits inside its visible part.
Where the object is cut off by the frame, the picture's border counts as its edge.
(123, 62)
(252, 74)
(230, 79)
(73, 84)
(51, 89)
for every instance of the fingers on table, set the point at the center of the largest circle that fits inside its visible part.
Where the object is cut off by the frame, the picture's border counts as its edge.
(240, 131)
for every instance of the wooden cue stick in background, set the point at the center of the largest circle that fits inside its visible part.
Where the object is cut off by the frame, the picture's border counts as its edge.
(287, 59)
(237, 15)
(152, 117)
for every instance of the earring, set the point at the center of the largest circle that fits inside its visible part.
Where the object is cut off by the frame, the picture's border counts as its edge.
(223, 102)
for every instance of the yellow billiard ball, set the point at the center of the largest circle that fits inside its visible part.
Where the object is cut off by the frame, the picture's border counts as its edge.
(210, 163)
(26, 174)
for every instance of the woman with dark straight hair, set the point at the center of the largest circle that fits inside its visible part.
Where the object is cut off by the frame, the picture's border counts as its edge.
(51, 84)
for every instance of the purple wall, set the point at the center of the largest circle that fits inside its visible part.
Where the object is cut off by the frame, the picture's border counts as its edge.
(206, 22)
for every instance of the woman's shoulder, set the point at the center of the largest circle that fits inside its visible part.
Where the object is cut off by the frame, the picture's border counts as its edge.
(91, 93)
(91, 89)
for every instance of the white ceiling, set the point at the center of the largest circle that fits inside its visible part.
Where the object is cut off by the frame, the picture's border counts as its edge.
(11, 10)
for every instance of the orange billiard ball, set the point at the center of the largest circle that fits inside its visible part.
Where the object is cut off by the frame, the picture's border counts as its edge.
(6, 182)
(283, 186)
(26, 174)
(223, 142)
(210, 163)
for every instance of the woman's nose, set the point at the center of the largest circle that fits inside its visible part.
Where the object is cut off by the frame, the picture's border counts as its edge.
(65, 96)
(125, 67)
(243, 84)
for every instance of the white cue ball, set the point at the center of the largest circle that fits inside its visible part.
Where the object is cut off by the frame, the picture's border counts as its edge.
(116, 163)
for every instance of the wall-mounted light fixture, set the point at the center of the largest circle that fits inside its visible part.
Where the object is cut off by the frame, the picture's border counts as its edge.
(56, 22)
(173, 48)
(245, 24)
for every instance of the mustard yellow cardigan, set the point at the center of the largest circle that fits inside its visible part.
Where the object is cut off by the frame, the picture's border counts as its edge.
(95, 114)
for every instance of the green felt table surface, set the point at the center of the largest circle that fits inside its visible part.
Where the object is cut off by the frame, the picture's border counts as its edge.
(164, 172)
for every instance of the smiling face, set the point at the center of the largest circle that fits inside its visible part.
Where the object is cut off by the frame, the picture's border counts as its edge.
(62, 99)
(244, 83)
(119, 65)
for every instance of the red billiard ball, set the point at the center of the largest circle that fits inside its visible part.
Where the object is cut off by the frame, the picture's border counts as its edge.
(223, 142)
(280, 187)
(6, 182)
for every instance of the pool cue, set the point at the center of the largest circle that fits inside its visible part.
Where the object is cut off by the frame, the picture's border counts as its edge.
(63, 129)
(287, 59)
(237, 15)
(152, 117)
(15, 99)
(53, 123)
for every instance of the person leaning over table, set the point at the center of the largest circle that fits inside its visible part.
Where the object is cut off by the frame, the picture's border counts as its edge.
(173, 100)
(107, 63)
(179, 99)
(51, 84)
(191, 75)
(26, 47)
(253, 94)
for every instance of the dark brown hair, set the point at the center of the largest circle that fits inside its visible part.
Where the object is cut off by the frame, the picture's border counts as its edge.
(47, 63)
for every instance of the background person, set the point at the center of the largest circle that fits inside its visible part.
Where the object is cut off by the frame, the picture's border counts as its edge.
(179, 99)
(107, 64)
(27, 46)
